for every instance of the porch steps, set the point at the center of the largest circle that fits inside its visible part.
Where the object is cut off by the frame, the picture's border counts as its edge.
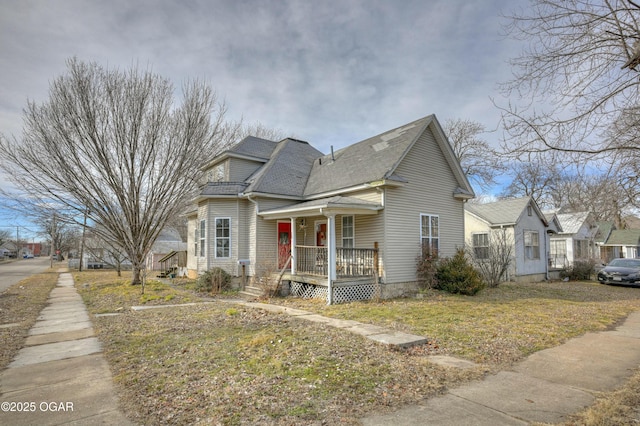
(251, 292)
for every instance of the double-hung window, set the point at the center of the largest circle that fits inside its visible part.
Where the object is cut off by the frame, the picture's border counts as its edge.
(531, 245)
(481, 245)
(223, 237)
(348, 232)
(203, 228)
(196, 237)
(430, 233)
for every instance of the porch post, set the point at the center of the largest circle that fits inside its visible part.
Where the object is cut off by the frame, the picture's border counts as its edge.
(294, 254)
(331, 255)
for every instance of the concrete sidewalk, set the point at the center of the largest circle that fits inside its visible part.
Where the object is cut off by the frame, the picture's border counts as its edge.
(547, 387)
(60, 376)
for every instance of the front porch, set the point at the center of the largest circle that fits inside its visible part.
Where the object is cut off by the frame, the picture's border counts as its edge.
(324, 269)
(356, 274)
(350, 262)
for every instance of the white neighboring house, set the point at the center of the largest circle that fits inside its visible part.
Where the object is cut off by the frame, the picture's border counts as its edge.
(168, 241)
(523, 225)
(576, 241)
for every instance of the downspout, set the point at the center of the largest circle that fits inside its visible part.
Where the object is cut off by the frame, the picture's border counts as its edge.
(252, 265)
(547, 247)
(254, 202)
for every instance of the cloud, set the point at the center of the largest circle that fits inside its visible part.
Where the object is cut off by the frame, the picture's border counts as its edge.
(331, 72)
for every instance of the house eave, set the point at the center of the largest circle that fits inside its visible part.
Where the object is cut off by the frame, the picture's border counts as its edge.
(228, 154)
(200, 198)
(364, 186)
(269, 195)
(326, 209)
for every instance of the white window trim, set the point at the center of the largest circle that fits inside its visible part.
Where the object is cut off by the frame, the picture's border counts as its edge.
(353, 228)
(215, 237)
(430, 236)
(202, 238)
(474, 247)
(526, 254)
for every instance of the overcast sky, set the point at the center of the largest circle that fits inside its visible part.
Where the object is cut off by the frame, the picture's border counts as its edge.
(331, 72)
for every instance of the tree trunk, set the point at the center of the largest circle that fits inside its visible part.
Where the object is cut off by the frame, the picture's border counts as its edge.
(135, 278)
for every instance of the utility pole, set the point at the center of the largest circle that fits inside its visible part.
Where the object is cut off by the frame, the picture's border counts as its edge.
(84, 228)
(53, 239)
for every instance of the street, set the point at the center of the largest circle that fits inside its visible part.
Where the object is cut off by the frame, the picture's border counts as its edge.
(12, 272)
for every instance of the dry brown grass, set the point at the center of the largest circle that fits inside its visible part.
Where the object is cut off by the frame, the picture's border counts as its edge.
(221, 363)
(21, 304)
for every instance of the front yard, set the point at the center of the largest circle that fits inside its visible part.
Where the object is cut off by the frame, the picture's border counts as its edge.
(225, 363)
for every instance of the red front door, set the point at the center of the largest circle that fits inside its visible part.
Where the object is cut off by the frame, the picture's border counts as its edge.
(321, 235)
(284, 243)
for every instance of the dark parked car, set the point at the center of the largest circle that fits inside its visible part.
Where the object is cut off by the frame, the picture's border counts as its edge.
(621, 271)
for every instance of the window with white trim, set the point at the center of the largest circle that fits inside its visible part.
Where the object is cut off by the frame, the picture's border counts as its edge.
(223, 237)
(203, 228)
(348, 232)
(430, 233)
(481, 245)
(531, 245)
(196, 237)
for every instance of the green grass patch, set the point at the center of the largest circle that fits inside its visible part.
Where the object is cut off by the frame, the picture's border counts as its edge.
(499, 325)
(104, 291)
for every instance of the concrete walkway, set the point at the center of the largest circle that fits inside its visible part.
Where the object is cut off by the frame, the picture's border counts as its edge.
(60, 377)
(547, 387)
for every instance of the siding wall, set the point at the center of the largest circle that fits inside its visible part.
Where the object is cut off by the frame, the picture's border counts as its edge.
(474, 225)
(530, 266)
(209, 211)
(264, 239)
(240, 169)
(429, 191)
(192, 262)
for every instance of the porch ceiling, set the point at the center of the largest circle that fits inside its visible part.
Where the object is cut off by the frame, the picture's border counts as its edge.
(324, 206)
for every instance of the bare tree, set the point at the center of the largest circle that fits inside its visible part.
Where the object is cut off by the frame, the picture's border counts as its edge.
(536, 177)
(578, 77)
(600, 194)
(494, 256)
(64, 235)
(113, 143)
(5, 236)
(479, 161)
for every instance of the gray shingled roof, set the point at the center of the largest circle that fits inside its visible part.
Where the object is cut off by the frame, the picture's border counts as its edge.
(367, 161)
(254, 147)
(504, 212)
(223, 188)
(287, 171)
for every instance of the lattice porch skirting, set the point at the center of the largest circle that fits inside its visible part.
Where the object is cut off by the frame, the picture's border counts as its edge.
(342, 291)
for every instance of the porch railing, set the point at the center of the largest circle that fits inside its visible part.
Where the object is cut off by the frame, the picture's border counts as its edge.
(350, 262)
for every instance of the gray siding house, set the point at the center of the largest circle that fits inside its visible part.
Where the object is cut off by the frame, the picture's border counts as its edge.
(519, 223)
(341, 226)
